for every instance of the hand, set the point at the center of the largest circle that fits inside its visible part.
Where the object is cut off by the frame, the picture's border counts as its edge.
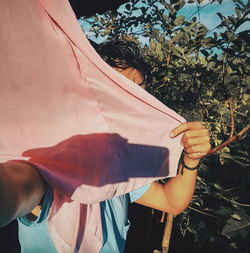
(195, 139)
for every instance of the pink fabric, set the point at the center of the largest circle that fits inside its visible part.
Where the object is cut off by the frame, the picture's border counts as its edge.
(57, 98)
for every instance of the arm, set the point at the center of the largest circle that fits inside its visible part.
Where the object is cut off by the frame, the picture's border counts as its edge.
(21, 189)
(174, 196)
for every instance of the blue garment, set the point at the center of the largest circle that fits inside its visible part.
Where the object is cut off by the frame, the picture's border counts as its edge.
(34, 235)
(115, 223)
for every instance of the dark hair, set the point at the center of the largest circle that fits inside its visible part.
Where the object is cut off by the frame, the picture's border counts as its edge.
(124, 54)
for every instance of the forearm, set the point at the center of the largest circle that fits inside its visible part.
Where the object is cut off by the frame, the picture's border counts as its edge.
(179, 190)
(175, 195)
(196, 143)
(21, 189)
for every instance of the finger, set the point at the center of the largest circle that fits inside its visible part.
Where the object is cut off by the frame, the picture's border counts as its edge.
(188, 142)
(186, 126)
(200, 148)
(195, 134)
(194, 156)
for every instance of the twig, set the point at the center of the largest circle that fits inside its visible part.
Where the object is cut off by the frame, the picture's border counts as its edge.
(239, 113)
(184, 230)
(197, 56)
(198, 211)
(233, 201)
(162, 217)
(198, 10)
(159, 87)
(230, 140)
(167, 233)
(230, 189)
(169, 52)
(217, 123)
(204, 109)
(238, 228)
(231, 117)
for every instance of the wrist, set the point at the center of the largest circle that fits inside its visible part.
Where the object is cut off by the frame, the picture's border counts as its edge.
(188, 163)
(191, 162)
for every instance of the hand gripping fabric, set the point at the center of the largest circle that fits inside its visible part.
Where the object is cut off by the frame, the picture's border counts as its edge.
(91, 133)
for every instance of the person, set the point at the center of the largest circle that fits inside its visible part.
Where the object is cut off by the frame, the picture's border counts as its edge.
(65, 178)
(22, 188)
(125, 57)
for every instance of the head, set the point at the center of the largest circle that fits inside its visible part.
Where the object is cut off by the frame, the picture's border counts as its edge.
(126, 58)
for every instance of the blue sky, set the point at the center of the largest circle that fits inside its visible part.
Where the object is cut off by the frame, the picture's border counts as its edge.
(208, 15)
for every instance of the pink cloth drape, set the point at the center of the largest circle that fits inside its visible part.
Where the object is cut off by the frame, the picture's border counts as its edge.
(76, 119)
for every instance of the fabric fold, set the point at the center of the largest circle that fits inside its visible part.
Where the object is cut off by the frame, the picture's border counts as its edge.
(92, 133)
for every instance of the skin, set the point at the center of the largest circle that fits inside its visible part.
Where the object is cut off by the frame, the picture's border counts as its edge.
(174, 196)
(22, 187)
(133, 75)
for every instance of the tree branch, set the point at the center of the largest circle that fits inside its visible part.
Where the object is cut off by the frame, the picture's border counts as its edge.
(167, 233)
(239, 228)
(230, 140)
(230, 104)
(198, 211)
(233, 201)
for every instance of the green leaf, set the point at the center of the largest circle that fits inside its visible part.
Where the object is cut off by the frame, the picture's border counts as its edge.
(238, 12)
(166, 18)
(240, 2)
(177, 36)
(144, 10)
(227, 156)
(224, 211)
(179, 20)
(180, 49)
(207, 40)
(218, 187)
(234, 225)
(179, 5)
(128, 7)
(159, 51)
(236, 217)
(211, 65)
(173, 1)
(220, 16)
(205, 53)
(231, 36)
(152, 44)
(187, 37)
